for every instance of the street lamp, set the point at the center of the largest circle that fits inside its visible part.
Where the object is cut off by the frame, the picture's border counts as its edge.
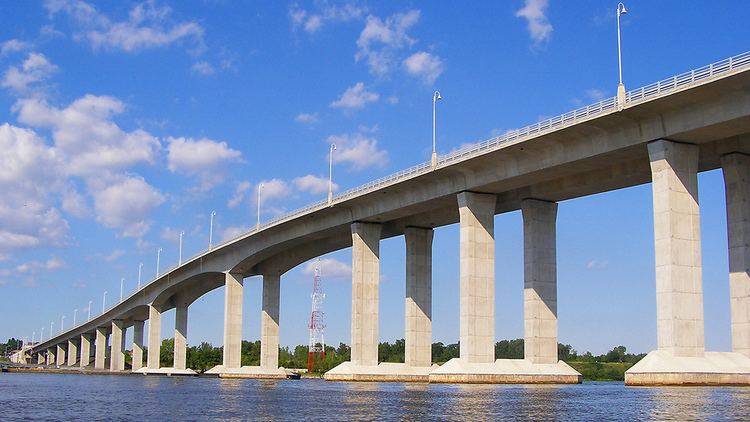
(211, 230)
(182, 233)
(158, 257)
(260, 188)
(435, 97)
(33, 334)
(140, 267)
(104, 301)
(62, 323)
(330, 174)
(621, 10)
(51, 324)
(41, 335)
(89, 317)
(122, 283)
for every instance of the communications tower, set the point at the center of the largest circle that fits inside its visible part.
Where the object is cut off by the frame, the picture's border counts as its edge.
(317, 325)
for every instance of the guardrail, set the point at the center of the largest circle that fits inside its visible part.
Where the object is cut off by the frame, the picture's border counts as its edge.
(649, 92)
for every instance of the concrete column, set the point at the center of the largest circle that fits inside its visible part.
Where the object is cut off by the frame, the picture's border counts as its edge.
(154, 337)
(418, 296)
(365, 294)
(40, 358)
(477, 270)
(72, 352)
(50, 356)
(100, 348)
(60, 355)
(269, 322)
(137, 361)
(540, 281)
(116, 356)
(180, 336)
(679, 290)
(233, 321)
(85, 350)
(736, 168)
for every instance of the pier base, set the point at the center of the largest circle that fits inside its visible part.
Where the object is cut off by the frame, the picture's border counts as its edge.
(257, 372)
(166, 371)
(395, 372)
(505, 371)
(714, 368)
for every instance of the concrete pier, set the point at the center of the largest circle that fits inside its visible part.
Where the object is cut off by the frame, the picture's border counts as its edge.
(180, 336)
(233, 296)
(736, 169)
(269, 322)
(154, 337)
(72, 352)
(85, 350)
(418, 311)
(137, 356)
(100, 348)
(40, 358)
(50, 357)
(116, 355)
(60, 355)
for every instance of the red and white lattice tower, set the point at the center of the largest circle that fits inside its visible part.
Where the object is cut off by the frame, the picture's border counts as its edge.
(317, 323)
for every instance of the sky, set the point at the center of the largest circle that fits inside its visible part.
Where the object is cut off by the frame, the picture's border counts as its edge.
(124, 123)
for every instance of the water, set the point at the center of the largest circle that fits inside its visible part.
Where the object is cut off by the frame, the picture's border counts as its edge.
(96, 397)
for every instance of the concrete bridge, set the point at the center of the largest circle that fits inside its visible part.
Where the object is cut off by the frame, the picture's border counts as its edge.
(664, 133)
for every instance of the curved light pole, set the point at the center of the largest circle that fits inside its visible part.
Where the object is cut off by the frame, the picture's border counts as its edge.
(260, 188)
(435, 98)
(62, 323)
(621, 10)
(122, 284)
(330, 174)
(89, 317)
(211, 230)
(140, 267)
(41, 335)
(182, 233)
(104, 301)
(158, 258)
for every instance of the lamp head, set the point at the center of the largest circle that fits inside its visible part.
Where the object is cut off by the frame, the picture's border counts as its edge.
(621, 9)
(333, 147)
(437, 96)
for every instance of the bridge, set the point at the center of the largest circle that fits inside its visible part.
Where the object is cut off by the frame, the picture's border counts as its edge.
(664, 133)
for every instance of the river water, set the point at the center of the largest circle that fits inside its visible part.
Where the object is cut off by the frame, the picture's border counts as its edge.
(97, 397)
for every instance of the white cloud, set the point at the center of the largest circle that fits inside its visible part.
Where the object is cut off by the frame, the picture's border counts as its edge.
(425, 66)
(273, 189)
(86, 137)
(74, 203)
(313, 184)
(355, 97)
(14, 45)
(313, 21)
(239, 194)
(204, 158)
(203, 68)
(392, 99)
(114, 255)
(329, 269)
(359, 151)
(595, 264)
(534, 12)
(595, 94)
(170, 234)
(232, 232)
(36, 68)
(307, 118)
(36, 266)
(379, 40)
(147, 26)
(126, 204)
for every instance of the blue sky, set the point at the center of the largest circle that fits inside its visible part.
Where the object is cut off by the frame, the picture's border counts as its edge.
(122, 124)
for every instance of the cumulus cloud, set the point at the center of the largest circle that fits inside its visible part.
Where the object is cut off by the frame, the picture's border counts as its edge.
(239, 193)
(148, 26)
(14, 45)
(273, 189)
(534, 12)
(380, 40)
(307, 118)
(595, 94)
(313, 184)
(355, 97)
(330, 268)
(359, 151)
(37, 266)
(425, 66)
(324, 13)
(232, 232)
(126, 205)
(203, 68)
(204, 158)
(596, 264)
(35, 69)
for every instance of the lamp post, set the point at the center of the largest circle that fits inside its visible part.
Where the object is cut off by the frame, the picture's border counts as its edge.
(435, 97)
(51, 324)
(621, 10)
(62, 323)
(41, 335)
(211, 230)
(182, 233)
(33, 334)
(122, 284)
(75, 316)
(104, 301)
(89, 317)
(260, 188)
(330, 174)
(158, 258)
(140, 267)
